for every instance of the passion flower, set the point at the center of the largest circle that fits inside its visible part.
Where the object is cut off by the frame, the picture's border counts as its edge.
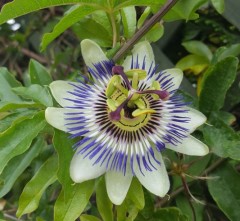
(126, 116)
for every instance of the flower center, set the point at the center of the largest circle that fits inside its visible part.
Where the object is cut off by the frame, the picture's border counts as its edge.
(126, 103)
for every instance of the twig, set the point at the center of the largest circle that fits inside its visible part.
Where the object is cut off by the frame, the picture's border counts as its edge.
(11, 217)
(144, 29)
(187, 192)
(181, 189)
(33, 55)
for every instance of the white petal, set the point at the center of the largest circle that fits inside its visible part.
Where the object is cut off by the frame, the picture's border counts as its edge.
(196, 119)
(176, 75)
(117, 185)
(142, 50)
(190, 146)
(82, 169)
(56, 117)
(92, 53)
(60, 90)
(156, 181)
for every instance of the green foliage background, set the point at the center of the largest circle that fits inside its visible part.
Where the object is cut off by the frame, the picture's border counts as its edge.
(34, 169)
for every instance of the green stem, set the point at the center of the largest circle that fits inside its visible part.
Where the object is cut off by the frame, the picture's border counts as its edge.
(114, 29)
(144, 29)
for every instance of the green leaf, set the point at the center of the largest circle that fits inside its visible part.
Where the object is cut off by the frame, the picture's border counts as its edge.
(6, 84)
(17, 165)
(18, 138)
(221, 138)
(129, 20)
(63, 146)
(183, 205)
(225, 190)
(104, 205)
(34, 189)
(36, 93)
(194, 63)
(9, 78)
(85, 217)
(119, 4)
(220, 144)
(101, 17)
(7, 121)
(136, 194)
(69, 209)
(219, 5)
(88, 28)
(143, 17)
(21, 7)
(39, 74)
(232, 97)
(216, 81)
(127, 211)
(169, 214)
(155, 33)
(224, 52)
(184, 9)
(67, 21)
(148, 209)
(6, 106)
(198, 48)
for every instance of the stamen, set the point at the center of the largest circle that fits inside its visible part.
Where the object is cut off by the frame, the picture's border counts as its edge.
(164, 95)
(115, 115)
(119, 71)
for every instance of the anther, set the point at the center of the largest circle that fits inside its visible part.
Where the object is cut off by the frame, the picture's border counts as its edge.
(163, 95)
